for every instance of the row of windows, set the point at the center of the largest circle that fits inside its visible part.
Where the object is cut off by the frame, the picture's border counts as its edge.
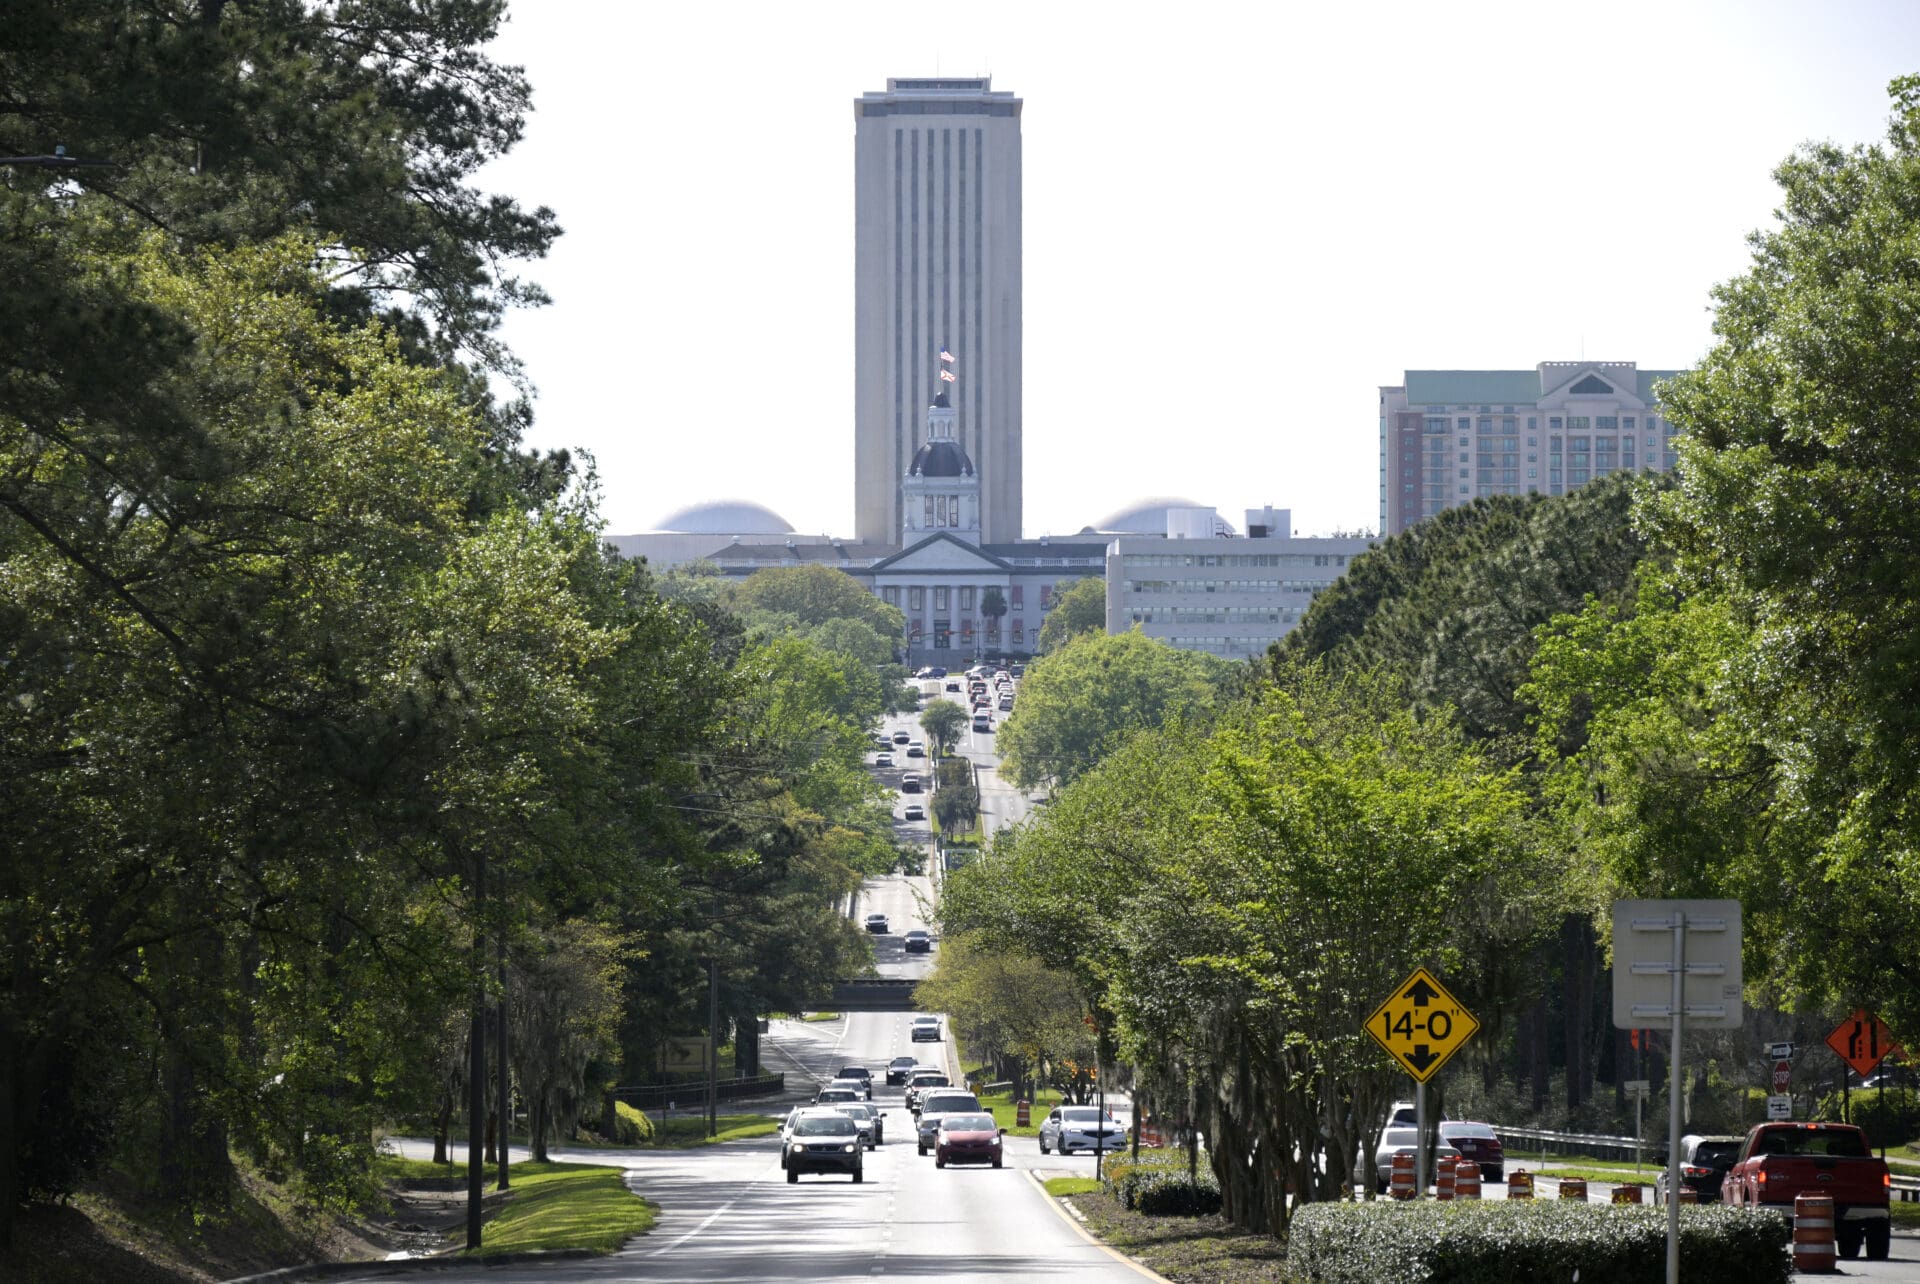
(943, 634)
(912, 108)
(941, 510)
(917, 597)
(1236, 559)
(1223, 586)
(1218, 615)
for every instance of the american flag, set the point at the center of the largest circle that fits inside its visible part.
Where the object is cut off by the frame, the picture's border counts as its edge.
(948, 376)
(946, 356)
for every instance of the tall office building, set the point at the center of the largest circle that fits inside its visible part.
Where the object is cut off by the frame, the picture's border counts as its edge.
(936, 267)
(1450, 436)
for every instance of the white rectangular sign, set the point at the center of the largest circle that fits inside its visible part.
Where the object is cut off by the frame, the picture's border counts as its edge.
(1643, 955)
(1780, 1107)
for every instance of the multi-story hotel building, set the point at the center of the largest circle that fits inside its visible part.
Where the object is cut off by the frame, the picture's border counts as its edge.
(936, 269)
(1449, 436)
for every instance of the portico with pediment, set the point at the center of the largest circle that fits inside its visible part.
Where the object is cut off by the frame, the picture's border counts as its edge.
(940, 584)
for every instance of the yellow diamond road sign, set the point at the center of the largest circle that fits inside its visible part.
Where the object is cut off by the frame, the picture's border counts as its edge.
(1421, 1024)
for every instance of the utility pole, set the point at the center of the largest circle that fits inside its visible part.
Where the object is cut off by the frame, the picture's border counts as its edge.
(477, 1058)
(713, 1047)
(505, 1099)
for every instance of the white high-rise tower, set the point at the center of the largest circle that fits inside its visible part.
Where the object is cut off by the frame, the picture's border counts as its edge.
(936, 267)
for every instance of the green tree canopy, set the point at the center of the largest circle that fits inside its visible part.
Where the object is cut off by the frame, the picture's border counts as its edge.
(815, 595)
(1080, 608)
(1076, 703)
(944, 722)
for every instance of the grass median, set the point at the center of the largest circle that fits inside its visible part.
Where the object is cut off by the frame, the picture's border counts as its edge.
(549, 1206)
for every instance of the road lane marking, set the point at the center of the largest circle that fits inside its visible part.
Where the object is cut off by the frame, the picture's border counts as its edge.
(1060, 1211)
(717, 1213)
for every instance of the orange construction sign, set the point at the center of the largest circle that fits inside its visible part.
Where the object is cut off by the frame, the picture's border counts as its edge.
(1862, 1040)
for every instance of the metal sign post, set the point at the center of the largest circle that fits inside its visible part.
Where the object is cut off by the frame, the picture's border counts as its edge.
(1679, 960)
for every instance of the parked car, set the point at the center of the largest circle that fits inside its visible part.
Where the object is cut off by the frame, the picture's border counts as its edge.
(919, 942)
(1070, 1128)
(914, 811)
(1704, 1162)
(1401, 1141)
(856, 1074)
(936, 1102)
(825, 1141)
(883, 760)
(899, 1068)
(877, 924)
(1476, 1141)
(1778, 1161)
(867, 1119)
(968, 1139)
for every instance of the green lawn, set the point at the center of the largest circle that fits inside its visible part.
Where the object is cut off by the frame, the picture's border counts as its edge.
(566, 1206)
(1004, 1111)
(1905, 1213)
(683, 1131)
(820, 1016)
(1087, 1185)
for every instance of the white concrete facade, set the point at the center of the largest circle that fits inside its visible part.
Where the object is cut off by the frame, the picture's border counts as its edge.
(937, 263)
(1450, 436)
(1232, 596)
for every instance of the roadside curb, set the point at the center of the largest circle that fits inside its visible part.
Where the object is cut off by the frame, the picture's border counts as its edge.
(1073, 1219)
(412, 1265)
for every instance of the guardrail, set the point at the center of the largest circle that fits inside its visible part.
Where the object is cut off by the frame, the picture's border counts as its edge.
(654, 1096)
(1599, 1145)
(1906, 1189)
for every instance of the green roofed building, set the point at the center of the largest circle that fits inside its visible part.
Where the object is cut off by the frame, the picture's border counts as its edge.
(1449, 436)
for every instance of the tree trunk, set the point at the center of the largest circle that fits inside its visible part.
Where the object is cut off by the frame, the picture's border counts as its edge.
(193, 1160)
(442, 1126)
(1538, 1067)
(537, 1126)
(477, 1061)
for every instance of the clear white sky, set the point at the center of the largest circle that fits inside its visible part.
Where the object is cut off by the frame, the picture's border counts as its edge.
(1239, 221)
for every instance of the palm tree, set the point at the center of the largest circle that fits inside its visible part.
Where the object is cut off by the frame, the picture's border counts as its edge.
(993, 605)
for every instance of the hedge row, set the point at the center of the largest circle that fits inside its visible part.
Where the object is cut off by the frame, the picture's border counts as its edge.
(1157, 1185)
(1503, 1242)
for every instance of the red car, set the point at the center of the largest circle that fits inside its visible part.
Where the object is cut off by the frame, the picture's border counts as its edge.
(967, 1139)
(1477, 1142)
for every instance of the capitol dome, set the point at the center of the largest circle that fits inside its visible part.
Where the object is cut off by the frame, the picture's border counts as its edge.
(725, 517)
(940, 459)
(1149, 517)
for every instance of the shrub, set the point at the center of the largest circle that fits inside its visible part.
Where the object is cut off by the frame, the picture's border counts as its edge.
(1519, 1243)
(1157, 1184)
(631, 1127)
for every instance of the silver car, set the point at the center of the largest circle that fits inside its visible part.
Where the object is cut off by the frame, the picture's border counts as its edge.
(1070, 1128)
(1401, 1141)
(871, 1128)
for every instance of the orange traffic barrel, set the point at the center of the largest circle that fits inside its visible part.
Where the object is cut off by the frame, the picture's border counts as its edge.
(1519, 1184)
(1443, 1180)
(1628, 1193)
(1688, 1195)
(1022, 1114)
(1402, 1185)
(1466, 1180)
(1813, 1233)
(1573, 1188)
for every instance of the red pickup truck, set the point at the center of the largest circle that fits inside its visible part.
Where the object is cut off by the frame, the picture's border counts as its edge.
(1781, 1160)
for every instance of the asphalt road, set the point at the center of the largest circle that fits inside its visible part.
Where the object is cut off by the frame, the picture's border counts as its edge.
(728, 1213)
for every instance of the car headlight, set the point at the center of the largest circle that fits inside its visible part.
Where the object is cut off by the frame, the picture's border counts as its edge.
(799, 1149)
(847, 1149)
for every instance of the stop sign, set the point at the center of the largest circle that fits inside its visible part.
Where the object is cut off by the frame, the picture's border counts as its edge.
(1782, 1072)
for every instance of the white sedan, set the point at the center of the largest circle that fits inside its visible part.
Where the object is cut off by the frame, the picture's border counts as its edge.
(1070, 1128)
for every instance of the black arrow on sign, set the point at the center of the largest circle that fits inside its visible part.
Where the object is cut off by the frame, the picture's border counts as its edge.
(1421, 992)
(1420, 1058)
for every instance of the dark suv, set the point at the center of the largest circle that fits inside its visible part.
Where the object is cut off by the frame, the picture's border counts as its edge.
(1476, 1141)
(1704, 1162)
(824, 1142)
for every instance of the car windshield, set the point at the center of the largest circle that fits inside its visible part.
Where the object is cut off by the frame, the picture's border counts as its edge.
(852, 1072)
(837, 1094)
(834, 1125)
(857, 1110)
(968, 1123)
(902, 1062)
(1479, 1131)
(941, 1102)
(929, 1081)
(1082, 1114)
